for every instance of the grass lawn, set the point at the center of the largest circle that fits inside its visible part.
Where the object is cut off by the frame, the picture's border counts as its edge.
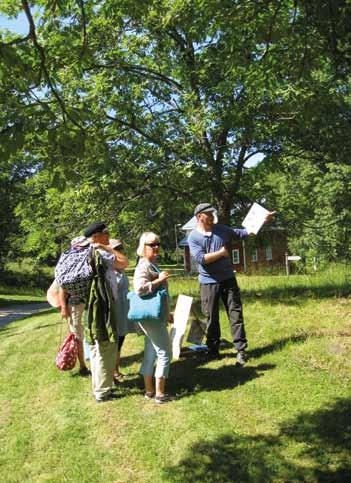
(285, 416)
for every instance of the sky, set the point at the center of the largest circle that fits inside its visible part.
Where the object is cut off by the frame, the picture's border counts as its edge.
(20, 26)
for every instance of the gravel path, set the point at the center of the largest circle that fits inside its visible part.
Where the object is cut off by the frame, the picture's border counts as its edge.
(14, 312)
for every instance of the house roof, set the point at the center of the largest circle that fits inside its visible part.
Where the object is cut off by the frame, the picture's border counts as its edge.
(190, 225)
(183, 242)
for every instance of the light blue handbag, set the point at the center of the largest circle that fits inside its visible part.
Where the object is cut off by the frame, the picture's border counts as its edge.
(151, 307)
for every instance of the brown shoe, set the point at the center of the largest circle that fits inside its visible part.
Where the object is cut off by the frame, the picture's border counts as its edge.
(117, 377)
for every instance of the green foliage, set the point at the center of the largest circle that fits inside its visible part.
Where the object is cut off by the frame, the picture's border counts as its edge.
(135, 111)
(313, 203)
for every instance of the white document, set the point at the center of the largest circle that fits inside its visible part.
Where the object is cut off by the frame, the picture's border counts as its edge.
(255, 218)
(181, 315)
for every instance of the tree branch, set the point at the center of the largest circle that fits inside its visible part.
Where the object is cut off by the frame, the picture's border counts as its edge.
(187, 48)
(153, 74)
(19, 40)
(84, 22)
(134, 127)
(270, 31)
(33, 36)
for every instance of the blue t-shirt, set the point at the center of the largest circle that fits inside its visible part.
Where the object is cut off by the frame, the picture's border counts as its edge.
(200, 244)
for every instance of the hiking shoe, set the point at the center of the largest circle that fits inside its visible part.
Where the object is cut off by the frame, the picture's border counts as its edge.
(241, 358)
(213, 355)
(164, 399)
(149, 395)
(109, 397)
(84, 372)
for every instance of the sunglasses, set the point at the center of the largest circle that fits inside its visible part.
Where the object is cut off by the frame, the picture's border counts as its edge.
(153, 245)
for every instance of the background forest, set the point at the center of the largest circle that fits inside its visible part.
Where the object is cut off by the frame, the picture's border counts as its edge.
(134, 111)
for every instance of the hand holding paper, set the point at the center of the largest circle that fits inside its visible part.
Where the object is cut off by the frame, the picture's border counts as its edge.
(256, 217)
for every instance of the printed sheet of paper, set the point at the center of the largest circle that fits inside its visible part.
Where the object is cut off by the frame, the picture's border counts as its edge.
(181, 315)
(255, 218)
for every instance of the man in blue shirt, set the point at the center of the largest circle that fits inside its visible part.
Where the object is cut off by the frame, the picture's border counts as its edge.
(210, 246)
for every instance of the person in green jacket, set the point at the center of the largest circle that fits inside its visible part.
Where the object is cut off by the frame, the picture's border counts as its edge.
(101, 321)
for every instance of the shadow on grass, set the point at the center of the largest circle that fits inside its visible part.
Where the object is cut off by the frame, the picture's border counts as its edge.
(189, 376)
(129, 360)
(9, 330)
(326, 435)
(200, 380)
(278, 345)
(322, 446)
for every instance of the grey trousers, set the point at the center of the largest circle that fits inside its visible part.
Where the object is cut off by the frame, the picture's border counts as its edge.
(229, 292)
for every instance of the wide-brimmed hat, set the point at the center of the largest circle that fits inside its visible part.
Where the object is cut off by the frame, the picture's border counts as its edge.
(115, 243)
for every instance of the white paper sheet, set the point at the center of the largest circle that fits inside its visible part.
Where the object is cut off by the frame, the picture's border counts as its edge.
(181, 315)
(255, 218)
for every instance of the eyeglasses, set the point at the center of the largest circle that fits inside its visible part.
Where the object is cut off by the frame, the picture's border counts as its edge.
(153, 245)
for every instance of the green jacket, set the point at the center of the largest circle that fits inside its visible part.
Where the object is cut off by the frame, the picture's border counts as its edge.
(101, 316)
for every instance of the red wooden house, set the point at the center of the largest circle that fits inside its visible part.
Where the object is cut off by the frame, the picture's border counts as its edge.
(265, 251)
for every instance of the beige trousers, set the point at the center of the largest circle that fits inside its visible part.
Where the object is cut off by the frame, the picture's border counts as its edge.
(75, 320)
(102, 364)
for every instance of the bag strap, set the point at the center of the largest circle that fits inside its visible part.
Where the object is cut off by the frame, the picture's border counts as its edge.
(156, 268)
(60, 337)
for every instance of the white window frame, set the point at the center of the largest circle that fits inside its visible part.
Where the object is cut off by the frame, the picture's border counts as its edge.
(254, 255)
(269, 253)
(236, 256)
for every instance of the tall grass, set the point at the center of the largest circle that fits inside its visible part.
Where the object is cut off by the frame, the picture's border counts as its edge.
(334, 281)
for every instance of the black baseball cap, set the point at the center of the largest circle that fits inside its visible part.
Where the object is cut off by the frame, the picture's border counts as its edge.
(98, 227)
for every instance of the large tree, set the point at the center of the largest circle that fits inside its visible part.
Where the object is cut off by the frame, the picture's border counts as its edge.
(136, 106)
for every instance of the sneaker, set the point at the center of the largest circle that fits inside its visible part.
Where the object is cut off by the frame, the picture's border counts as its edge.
(241, 358)
(109, 397)
(84, 372)
(164, 399)
(149, 395)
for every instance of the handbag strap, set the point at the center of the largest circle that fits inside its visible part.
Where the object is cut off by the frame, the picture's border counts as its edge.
(60, 336)
(155, 268)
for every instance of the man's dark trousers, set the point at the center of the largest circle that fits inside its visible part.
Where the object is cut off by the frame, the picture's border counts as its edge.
(229, 292)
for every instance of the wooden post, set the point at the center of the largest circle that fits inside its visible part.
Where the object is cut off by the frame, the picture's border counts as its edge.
(244, 255)
(287, 263)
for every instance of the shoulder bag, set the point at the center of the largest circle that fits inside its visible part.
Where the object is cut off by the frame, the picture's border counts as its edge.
(151, 307)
